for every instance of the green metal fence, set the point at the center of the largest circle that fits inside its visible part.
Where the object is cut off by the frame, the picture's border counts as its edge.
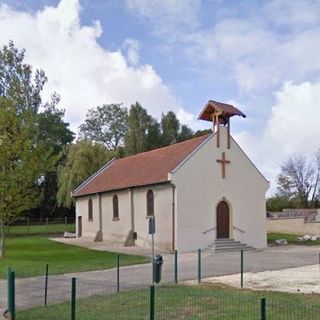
(120, 293)
(32, 226)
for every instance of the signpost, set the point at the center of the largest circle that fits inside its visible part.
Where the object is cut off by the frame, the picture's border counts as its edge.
(152, 231)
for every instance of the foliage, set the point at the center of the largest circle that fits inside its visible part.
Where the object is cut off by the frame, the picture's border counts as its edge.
(143, 131)
(24, 158)
(29, 255)
(170, 127)
(82, 160)
(299, 180)
(107, 123)
(278, 203)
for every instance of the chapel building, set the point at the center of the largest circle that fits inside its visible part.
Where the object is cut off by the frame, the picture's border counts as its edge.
(199, 191)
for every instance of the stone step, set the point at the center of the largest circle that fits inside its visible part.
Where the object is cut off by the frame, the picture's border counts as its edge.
(228, 245)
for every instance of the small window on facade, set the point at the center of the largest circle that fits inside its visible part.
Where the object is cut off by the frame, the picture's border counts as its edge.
(115, 203)
(150, 203)
(90, 210)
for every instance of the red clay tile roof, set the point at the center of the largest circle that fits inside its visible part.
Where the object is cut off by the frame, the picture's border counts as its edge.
(138, 170)
(226, 109)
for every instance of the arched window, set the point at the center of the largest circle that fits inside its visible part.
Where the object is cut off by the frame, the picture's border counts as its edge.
(90, 210)
(115, 203)
(150, 203)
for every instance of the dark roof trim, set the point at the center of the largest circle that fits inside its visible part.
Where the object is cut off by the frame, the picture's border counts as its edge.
(107, 165)
(126, 188)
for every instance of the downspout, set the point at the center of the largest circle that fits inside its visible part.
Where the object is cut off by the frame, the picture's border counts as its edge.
(173, 218)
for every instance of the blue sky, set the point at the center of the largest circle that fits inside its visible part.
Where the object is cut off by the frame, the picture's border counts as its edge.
(261, 56)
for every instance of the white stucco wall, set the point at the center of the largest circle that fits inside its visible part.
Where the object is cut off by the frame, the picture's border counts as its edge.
(200, 187)
(89, 228)
(118, 230)
(163, 216)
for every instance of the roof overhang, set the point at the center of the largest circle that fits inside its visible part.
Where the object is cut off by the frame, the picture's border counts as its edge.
(225, 110)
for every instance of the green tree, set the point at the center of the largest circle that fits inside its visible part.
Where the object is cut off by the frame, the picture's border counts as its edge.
(107, 123)
(170, 126)
(55, 133)
(185, 133)
(24, 159)
(27, 156)
(143, 131)
(82, 160)
(17, 82)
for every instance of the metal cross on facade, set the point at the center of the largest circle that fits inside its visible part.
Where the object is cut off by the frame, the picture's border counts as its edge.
(223, 162)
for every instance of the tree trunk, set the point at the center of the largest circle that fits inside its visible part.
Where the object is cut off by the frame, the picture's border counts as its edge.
(2, 239)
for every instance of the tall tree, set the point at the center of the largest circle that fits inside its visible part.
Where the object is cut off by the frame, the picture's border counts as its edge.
(299, 180)
(17, 81)
(185, 133)
(31, 155)
(55, 133)
(107, 123)
(170, 126)
(82, 160)
(143, 131)
(24, 159)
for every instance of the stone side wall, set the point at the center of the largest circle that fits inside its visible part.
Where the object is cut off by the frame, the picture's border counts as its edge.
(293, 225)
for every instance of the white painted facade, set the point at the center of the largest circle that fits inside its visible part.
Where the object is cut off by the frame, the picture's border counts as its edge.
(185, 207)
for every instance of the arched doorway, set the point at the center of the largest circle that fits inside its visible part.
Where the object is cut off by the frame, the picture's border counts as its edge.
(223, 220)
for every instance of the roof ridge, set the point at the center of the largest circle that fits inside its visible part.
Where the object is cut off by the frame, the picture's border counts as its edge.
(161, 148)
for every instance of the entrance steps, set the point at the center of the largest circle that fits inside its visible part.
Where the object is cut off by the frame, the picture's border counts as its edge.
(228, 245)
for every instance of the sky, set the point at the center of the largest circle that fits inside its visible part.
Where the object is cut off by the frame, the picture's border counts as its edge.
(260, 56)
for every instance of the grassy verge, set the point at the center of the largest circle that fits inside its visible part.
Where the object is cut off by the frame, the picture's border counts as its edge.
(28, 256)
(40, 229)
(292, 239)
(185, 302)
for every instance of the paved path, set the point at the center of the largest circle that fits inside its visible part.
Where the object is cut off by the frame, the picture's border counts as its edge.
(30, 291)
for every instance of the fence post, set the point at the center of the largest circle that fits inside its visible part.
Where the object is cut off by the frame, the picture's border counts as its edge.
(118, 272)
(73, 299)
(28, 224)
(152, 313)
(263, 309)
(175, 266)
(241, 269)
(47, 223)
(199, 265)
(46, 285)
(65, 223)
(11, 294)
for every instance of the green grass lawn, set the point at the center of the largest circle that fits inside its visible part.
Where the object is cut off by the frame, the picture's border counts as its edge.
(41, 229)
(28, 256)
(185, 302)
(292, 239)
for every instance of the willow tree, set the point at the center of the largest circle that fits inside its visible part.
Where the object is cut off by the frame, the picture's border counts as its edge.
(82, 159)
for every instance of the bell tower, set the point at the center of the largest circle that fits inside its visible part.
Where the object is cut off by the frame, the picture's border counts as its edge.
(219, 114)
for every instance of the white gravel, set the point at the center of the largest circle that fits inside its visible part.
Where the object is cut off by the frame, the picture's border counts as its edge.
(301, 279)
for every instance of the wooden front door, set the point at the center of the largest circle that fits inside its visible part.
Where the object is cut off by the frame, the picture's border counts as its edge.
(222, 220)
(79, 226)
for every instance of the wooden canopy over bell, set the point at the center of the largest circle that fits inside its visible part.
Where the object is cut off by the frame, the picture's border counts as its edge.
(225, 111)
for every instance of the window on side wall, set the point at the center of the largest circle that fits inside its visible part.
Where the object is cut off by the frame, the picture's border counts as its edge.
(115, 203)
(150, 203)
(90, 210)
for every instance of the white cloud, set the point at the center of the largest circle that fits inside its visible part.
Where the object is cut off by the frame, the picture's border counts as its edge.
(131, 46)
(78, 68)
(276, 41)
(293, 128)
